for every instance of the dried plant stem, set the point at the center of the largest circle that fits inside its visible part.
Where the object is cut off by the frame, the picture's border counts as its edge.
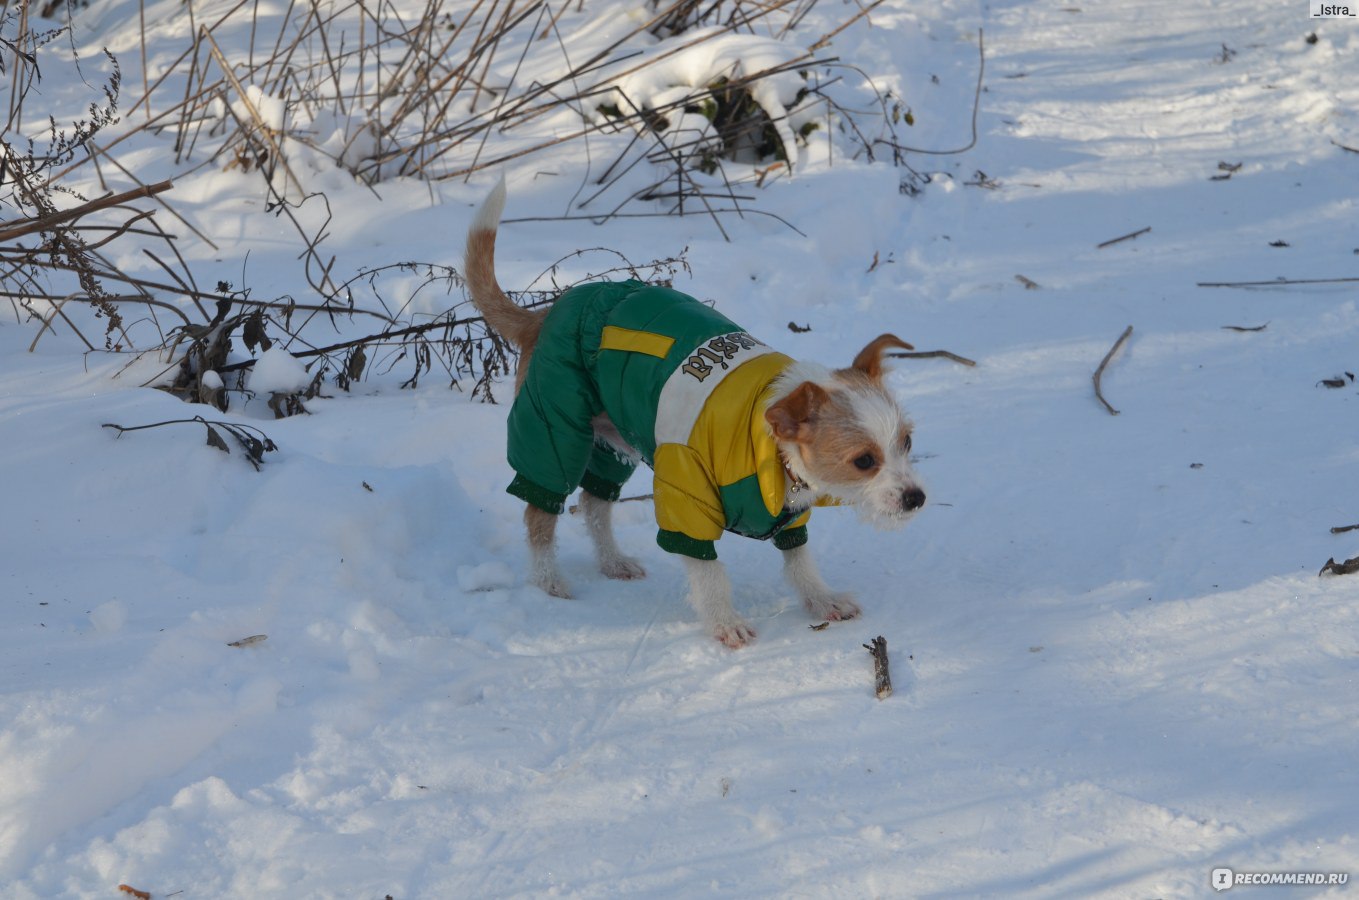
(264, 129)
(11, 230)
(1099, 373)
(1276, 282)
(47, 323)
(934, 354)
(830, 35)
(976, 106)
(1120, 239)
(357, 342)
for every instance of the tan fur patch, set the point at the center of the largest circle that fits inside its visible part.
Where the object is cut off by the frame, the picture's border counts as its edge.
(834, 440)
(869, 360)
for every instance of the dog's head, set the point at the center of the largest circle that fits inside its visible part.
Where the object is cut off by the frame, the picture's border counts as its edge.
(842, 434)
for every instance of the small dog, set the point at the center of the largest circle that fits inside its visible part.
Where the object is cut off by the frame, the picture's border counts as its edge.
(740, 438)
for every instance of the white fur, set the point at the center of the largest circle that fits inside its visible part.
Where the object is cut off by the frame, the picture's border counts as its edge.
(879, 501)
(710, 595)
(599, 521)
(796, 373)
(544, 572)
(821, 601)
(488, 216)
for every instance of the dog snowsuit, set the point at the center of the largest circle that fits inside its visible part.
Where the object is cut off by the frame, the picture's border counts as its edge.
(684, 385)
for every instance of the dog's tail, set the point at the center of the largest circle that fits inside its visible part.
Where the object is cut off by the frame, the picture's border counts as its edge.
(517, 325)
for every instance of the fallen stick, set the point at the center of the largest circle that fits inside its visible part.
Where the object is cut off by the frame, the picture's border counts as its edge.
(1099, 373)
(934, 354)
(1275, 283)
(882, 679)
(575, 507)
(1127, 237)
(1245, 328)
(249, 641)
(1341, 529)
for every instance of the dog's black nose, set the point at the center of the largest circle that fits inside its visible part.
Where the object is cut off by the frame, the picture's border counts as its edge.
(912, 499)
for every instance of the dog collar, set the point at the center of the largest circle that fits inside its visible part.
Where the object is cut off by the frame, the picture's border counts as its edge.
(795, 484)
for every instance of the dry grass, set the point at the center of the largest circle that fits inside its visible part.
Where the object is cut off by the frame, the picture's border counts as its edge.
(357, 86)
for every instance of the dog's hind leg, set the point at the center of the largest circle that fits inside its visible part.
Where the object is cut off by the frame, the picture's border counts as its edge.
(599, 520)
(542, 541)
(820, 599)
(710, 595)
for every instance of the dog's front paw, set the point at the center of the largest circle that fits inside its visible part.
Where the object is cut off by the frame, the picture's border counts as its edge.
(624, 568)
(832, 607)
(735, 634)
(553, 585)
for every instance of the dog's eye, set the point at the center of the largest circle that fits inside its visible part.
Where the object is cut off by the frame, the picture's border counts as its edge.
(865, 462)
(906, 444)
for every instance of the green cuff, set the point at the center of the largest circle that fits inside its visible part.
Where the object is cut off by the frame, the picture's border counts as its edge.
(536, 495)
(791, 538)
(675, 542)
(600, 487)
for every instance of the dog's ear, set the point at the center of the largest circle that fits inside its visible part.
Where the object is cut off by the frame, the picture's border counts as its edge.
(789, 417)
(869, 360)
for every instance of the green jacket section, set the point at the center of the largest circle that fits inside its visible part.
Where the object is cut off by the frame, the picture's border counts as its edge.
(684, 385)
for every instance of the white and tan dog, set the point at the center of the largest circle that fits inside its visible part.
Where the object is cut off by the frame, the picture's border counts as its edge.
(829, 436)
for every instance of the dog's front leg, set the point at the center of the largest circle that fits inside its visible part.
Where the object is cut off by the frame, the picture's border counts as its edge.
(821, 601)
(710, 595)
(599, 520)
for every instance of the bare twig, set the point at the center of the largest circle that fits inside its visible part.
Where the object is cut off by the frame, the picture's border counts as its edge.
(356, 342)
(264, 130)
(14, 229)
(828, 36)
(47, 323)
(1245, 328)
(575, 507)
(976, 105)
(934, 354)
(1127, 237)
(1275, 283)
(1099, 373)
(254, 442)
(1341, 529)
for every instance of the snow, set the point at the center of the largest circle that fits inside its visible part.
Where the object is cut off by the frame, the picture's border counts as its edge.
(681, 67)
(1115, 665)
(257, 105)
(278, 371)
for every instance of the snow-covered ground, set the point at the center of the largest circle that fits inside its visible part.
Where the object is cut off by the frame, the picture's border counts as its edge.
(1116, 667)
